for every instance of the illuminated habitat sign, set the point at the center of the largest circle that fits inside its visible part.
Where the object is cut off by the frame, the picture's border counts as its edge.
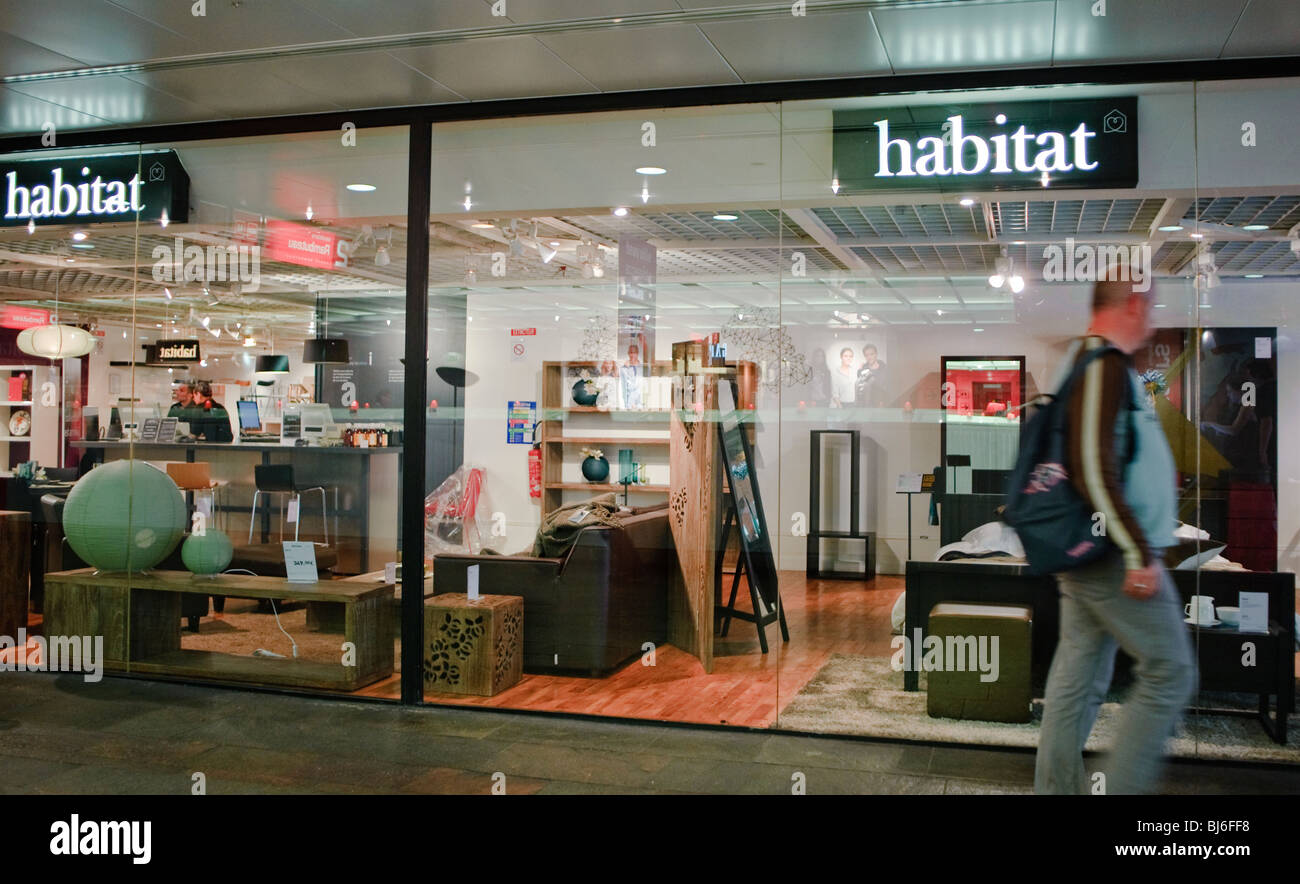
(992, 146)
(95, 189)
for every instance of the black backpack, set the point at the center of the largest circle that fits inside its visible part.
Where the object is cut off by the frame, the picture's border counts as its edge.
(1054, 522)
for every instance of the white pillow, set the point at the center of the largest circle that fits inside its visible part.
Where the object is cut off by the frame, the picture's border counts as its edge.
(898, 616)
(1190, 532)
(995, 537)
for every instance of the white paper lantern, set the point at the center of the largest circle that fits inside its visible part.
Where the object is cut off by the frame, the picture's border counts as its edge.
(56, 341)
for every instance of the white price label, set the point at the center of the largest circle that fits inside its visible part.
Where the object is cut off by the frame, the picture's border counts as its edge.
(300, 561)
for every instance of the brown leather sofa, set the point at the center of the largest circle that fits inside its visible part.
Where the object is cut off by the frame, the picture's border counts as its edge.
(590, 611)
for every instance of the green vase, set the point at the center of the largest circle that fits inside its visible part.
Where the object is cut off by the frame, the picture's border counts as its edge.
(595, 469)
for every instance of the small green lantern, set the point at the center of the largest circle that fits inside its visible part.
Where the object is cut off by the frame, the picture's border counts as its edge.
(207, 553)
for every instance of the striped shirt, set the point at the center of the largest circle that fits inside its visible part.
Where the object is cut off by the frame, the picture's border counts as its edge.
(1096, 464)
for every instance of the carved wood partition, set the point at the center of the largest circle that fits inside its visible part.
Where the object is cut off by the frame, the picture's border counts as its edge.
(693, 502)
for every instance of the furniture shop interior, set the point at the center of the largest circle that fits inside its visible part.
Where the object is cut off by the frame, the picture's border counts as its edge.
(722, 403)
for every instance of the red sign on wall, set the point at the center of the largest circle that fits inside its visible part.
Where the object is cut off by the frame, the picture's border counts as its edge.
(299, 244)
(522, 332)
(23, 317)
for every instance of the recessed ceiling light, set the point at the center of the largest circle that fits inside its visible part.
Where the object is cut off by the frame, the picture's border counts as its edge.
(967, 201)
(80, 235)
(1254, 276)
(361, 188)
(1197, 235)
(650, 170)
(1254, 227)
(482, 225)
(725, 216)
(83, 245)
(1157, 305)
(1018, 242)
(1170, 228)
(620, 211)
(977, 329)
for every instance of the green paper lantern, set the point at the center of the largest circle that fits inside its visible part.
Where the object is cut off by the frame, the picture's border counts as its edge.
(124, 515)
(208, 553)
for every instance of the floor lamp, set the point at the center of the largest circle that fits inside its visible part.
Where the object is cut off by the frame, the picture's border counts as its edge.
(458, 378)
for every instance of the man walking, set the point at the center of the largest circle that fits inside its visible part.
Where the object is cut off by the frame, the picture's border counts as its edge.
(1119, 461)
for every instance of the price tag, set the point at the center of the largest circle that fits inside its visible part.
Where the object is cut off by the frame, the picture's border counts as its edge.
(300, 561)
(471, 582)
(909, 482)
(292, 514)
(1254, 611)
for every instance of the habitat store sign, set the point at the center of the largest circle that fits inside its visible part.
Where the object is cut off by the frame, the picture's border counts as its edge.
(95, 189)
(1017, 145)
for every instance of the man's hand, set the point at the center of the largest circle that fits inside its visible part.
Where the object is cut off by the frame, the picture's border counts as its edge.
(1142, 583)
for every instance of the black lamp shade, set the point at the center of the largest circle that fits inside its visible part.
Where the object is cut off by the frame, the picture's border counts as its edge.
(273, 364)
(325, 350)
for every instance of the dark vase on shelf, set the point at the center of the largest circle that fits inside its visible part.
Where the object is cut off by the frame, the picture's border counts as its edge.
(585, 393)
(595, 469)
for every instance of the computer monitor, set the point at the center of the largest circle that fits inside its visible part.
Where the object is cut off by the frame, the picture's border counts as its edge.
(249, 420)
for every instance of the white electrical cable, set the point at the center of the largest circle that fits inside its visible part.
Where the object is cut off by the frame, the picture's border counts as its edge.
(273, 611)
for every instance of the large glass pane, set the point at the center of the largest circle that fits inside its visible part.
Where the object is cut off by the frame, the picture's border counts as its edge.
(1244, 264)
(580, 267)
(245, 300)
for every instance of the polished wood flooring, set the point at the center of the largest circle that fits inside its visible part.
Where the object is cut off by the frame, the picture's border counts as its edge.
(746, 687)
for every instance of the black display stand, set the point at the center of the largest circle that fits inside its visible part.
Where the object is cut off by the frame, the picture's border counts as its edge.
(755, 559)
(815, 532)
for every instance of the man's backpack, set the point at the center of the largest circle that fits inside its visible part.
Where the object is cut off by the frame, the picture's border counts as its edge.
(1056, 525)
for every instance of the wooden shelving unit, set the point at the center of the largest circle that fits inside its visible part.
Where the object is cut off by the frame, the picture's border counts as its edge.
(41, 442)
(566, 426)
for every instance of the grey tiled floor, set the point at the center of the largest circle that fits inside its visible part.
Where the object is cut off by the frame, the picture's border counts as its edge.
(60, 735)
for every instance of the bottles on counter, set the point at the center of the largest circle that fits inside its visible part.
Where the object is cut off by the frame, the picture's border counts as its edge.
(371, 436)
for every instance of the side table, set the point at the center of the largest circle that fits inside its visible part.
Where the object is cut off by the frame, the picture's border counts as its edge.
(1226, 664)
(473, 646)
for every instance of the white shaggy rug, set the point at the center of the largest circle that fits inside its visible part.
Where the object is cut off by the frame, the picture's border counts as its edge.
(865, 697)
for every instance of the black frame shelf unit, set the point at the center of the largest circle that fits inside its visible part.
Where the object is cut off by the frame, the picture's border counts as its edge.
(815, 533)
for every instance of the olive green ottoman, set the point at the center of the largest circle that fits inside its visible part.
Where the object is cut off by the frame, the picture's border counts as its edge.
(983, 662)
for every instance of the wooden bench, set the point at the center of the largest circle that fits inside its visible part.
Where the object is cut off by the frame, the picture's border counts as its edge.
(139, 616)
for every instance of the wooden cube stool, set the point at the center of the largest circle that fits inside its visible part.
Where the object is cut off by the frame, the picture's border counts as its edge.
(473, 647)
(955, 689)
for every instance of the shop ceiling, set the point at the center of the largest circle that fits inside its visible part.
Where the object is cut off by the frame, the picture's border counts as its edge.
(84, 64)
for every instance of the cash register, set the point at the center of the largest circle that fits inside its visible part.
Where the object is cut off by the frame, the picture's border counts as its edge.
(310, 423)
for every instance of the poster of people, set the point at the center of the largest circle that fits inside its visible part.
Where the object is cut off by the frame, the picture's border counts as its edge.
(849, 374)
(636, 311)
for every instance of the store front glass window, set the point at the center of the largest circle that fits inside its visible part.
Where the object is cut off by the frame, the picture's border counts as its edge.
(214, 334)
(615, 280)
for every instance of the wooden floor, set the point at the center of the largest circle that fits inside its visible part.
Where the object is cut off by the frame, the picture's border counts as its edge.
(746, 687)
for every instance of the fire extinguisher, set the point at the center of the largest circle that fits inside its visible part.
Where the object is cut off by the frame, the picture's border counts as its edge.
(535, 467)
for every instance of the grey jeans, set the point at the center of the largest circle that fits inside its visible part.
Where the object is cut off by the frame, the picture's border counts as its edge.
(1096, 618)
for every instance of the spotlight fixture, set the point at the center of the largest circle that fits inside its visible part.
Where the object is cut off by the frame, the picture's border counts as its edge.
(468, 204)
(31, 226)
(1004, 274)
(80, 235)
(645, 194)
(620, 211)
(835, 185)
(164, 219)
(310, 212)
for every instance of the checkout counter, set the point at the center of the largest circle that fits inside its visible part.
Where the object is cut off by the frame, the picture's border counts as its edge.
(367, 480)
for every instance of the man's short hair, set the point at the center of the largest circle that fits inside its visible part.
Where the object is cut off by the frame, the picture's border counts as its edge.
(1113, 287)
(204, 388)
(869, 347)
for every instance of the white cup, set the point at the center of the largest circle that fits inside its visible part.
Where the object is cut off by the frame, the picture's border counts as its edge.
(1230, 615)
(1203, 608)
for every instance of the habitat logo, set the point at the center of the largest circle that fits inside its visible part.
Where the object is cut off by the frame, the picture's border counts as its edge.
(180, 263)
(1083, 262)
(78, 837)
(55, 653)
(953, 653)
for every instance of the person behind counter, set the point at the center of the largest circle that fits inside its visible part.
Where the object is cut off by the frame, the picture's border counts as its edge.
(207, 416)
(184, 400)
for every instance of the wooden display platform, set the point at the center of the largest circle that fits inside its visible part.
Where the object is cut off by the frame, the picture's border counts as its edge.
(148, 638)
